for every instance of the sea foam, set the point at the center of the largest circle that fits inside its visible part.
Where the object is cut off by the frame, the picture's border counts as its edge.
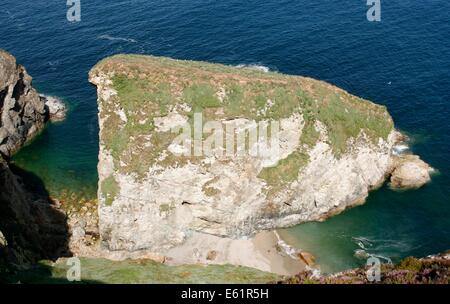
(400, 149)
(112, 38)
(256, 67)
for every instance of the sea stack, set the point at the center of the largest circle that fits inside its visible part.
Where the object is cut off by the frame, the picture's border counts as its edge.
(332, 148)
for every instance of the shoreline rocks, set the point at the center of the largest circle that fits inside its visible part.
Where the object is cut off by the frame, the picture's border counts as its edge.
(23, 112)
(56, 108)
(410, 172)
(32, 226)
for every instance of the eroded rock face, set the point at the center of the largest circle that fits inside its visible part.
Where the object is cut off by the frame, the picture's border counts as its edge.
(22, 112)
(333, 149)
(410, 172)
(31, 225)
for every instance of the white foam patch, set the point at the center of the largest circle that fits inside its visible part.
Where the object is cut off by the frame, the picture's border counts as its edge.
(365, 243)
(400, 149)
(256, 67)
(289, 250)
(112, 38)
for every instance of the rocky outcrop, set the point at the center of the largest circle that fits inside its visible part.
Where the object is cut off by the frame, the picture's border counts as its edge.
(31, 225)
(57, 110)
(157, 187)
(22, 112)
(410, 172)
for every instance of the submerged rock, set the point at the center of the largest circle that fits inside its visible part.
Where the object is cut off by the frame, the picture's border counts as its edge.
(155, 189)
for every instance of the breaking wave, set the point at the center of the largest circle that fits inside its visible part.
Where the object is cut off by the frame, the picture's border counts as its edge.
(400, 149)
(287, 249)
(255, 67)
(112, 38)
(366, 246)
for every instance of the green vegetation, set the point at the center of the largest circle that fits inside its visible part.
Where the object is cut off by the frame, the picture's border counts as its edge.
(166, 208)
(309, 134)
(141, 272)
(346, 120)
(110, 189)
(285, 172)
(201, 96)
(434, 270)
(210, 191)
(149, 87)
(411, 264)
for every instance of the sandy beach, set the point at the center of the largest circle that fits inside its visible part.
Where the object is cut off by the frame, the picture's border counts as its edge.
(262, 252)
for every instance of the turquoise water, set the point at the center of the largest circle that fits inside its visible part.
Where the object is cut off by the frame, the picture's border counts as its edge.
(402, 62)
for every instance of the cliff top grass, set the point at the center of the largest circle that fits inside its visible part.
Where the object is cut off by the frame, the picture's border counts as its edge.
(149, 87)
(102, 271)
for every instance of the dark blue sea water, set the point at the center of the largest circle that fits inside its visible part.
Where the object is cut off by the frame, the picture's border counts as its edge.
(402, 62)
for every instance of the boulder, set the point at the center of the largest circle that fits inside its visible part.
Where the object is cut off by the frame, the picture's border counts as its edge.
(307, 258)
(410, 172)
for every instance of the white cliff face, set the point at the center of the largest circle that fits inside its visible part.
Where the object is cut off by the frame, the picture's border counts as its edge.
(162, 210)
(329, 185)
(221, 195)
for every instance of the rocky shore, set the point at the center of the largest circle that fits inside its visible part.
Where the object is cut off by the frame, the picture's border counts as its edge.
(335, 148)
(409, 172)
(23, 111)
(32, 227)
(154, 205)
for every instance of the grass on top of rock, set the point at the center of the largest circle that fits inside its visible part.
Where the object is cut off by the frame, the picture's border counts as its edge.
(110, 189)
(285, 172)
(149, 87)
(141, 272)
